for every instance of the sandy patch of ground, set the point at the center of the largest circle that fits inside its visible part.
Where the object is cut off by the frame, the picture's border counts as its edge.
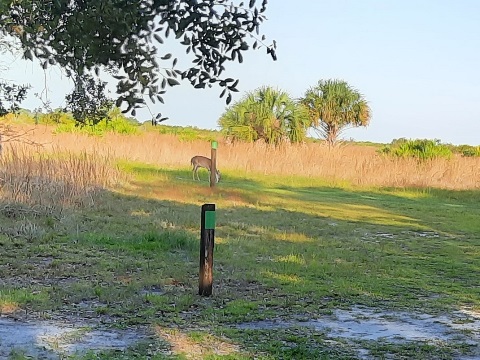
(49, 340)
(461, 327)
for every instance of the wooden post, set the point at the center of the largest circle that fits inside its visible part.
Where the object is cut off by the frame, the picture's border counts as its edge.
(213, 170)
(207, 243)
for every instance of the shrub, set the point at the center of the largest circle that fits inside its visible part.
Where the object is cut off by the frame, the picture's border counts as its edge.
(120, 125)
(468, 150)
(419, 149)
(189, 133)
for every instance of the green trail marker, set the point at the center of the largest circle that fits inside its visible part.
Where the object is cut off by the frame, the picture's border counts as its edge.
(210, 220)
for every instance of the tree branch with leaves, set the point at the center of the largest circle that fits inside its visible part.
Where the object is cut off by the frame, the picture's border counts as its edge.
(124, 38)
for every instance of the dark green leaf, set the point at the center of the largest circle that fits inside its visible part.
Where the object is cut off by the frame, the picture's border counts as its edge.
(172, 82)
(158, 38)
(28, 55)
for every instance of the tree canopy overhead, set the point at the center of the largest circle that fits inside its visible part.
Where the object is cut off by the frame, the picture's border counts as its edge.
(125, 37)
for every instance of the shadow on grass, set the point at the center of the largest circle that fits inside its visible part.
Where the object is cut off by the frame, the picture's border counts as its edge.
(288, 233)
(275, 262)
(448, 212)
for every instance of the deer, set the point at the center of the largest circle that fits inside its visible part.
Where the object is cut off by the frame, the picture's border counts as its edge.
(203, 162)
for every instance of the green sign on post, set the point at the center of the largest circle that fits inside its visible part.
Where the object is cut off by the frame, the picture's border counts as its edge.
(209, 220)
(214, 145)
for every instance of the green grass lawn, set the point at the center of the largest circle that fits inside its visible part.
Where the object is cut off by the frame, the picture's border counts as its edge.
(285, 247)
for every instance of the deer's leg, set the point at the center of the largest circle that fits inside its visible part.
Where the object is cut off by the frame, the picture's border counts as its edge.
(196, 172)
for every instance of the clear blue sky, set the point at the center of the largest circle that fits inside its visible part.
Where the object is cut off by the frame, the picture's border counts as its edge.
(416, 62)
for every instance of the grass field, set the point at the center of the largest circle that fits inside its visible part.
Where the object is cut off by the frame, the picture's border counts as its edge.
(110, 238)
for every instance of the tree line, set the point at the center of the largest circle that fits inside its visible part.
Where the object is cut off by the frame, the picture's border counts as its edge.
(329, 108)
(266, 114)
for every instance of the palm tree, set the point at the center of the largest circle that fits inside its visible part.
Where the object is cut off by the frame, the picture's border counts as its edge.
(268, 114)
(335, 106)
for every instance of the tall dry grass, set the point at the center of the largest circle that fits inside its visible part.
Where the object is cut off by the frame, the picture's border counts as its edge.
(52, 180)
(360, 165)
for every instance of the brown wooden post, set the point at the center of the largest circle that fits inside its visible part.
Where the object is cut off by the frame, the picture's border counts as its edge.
(213, 169)
(207, 243)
